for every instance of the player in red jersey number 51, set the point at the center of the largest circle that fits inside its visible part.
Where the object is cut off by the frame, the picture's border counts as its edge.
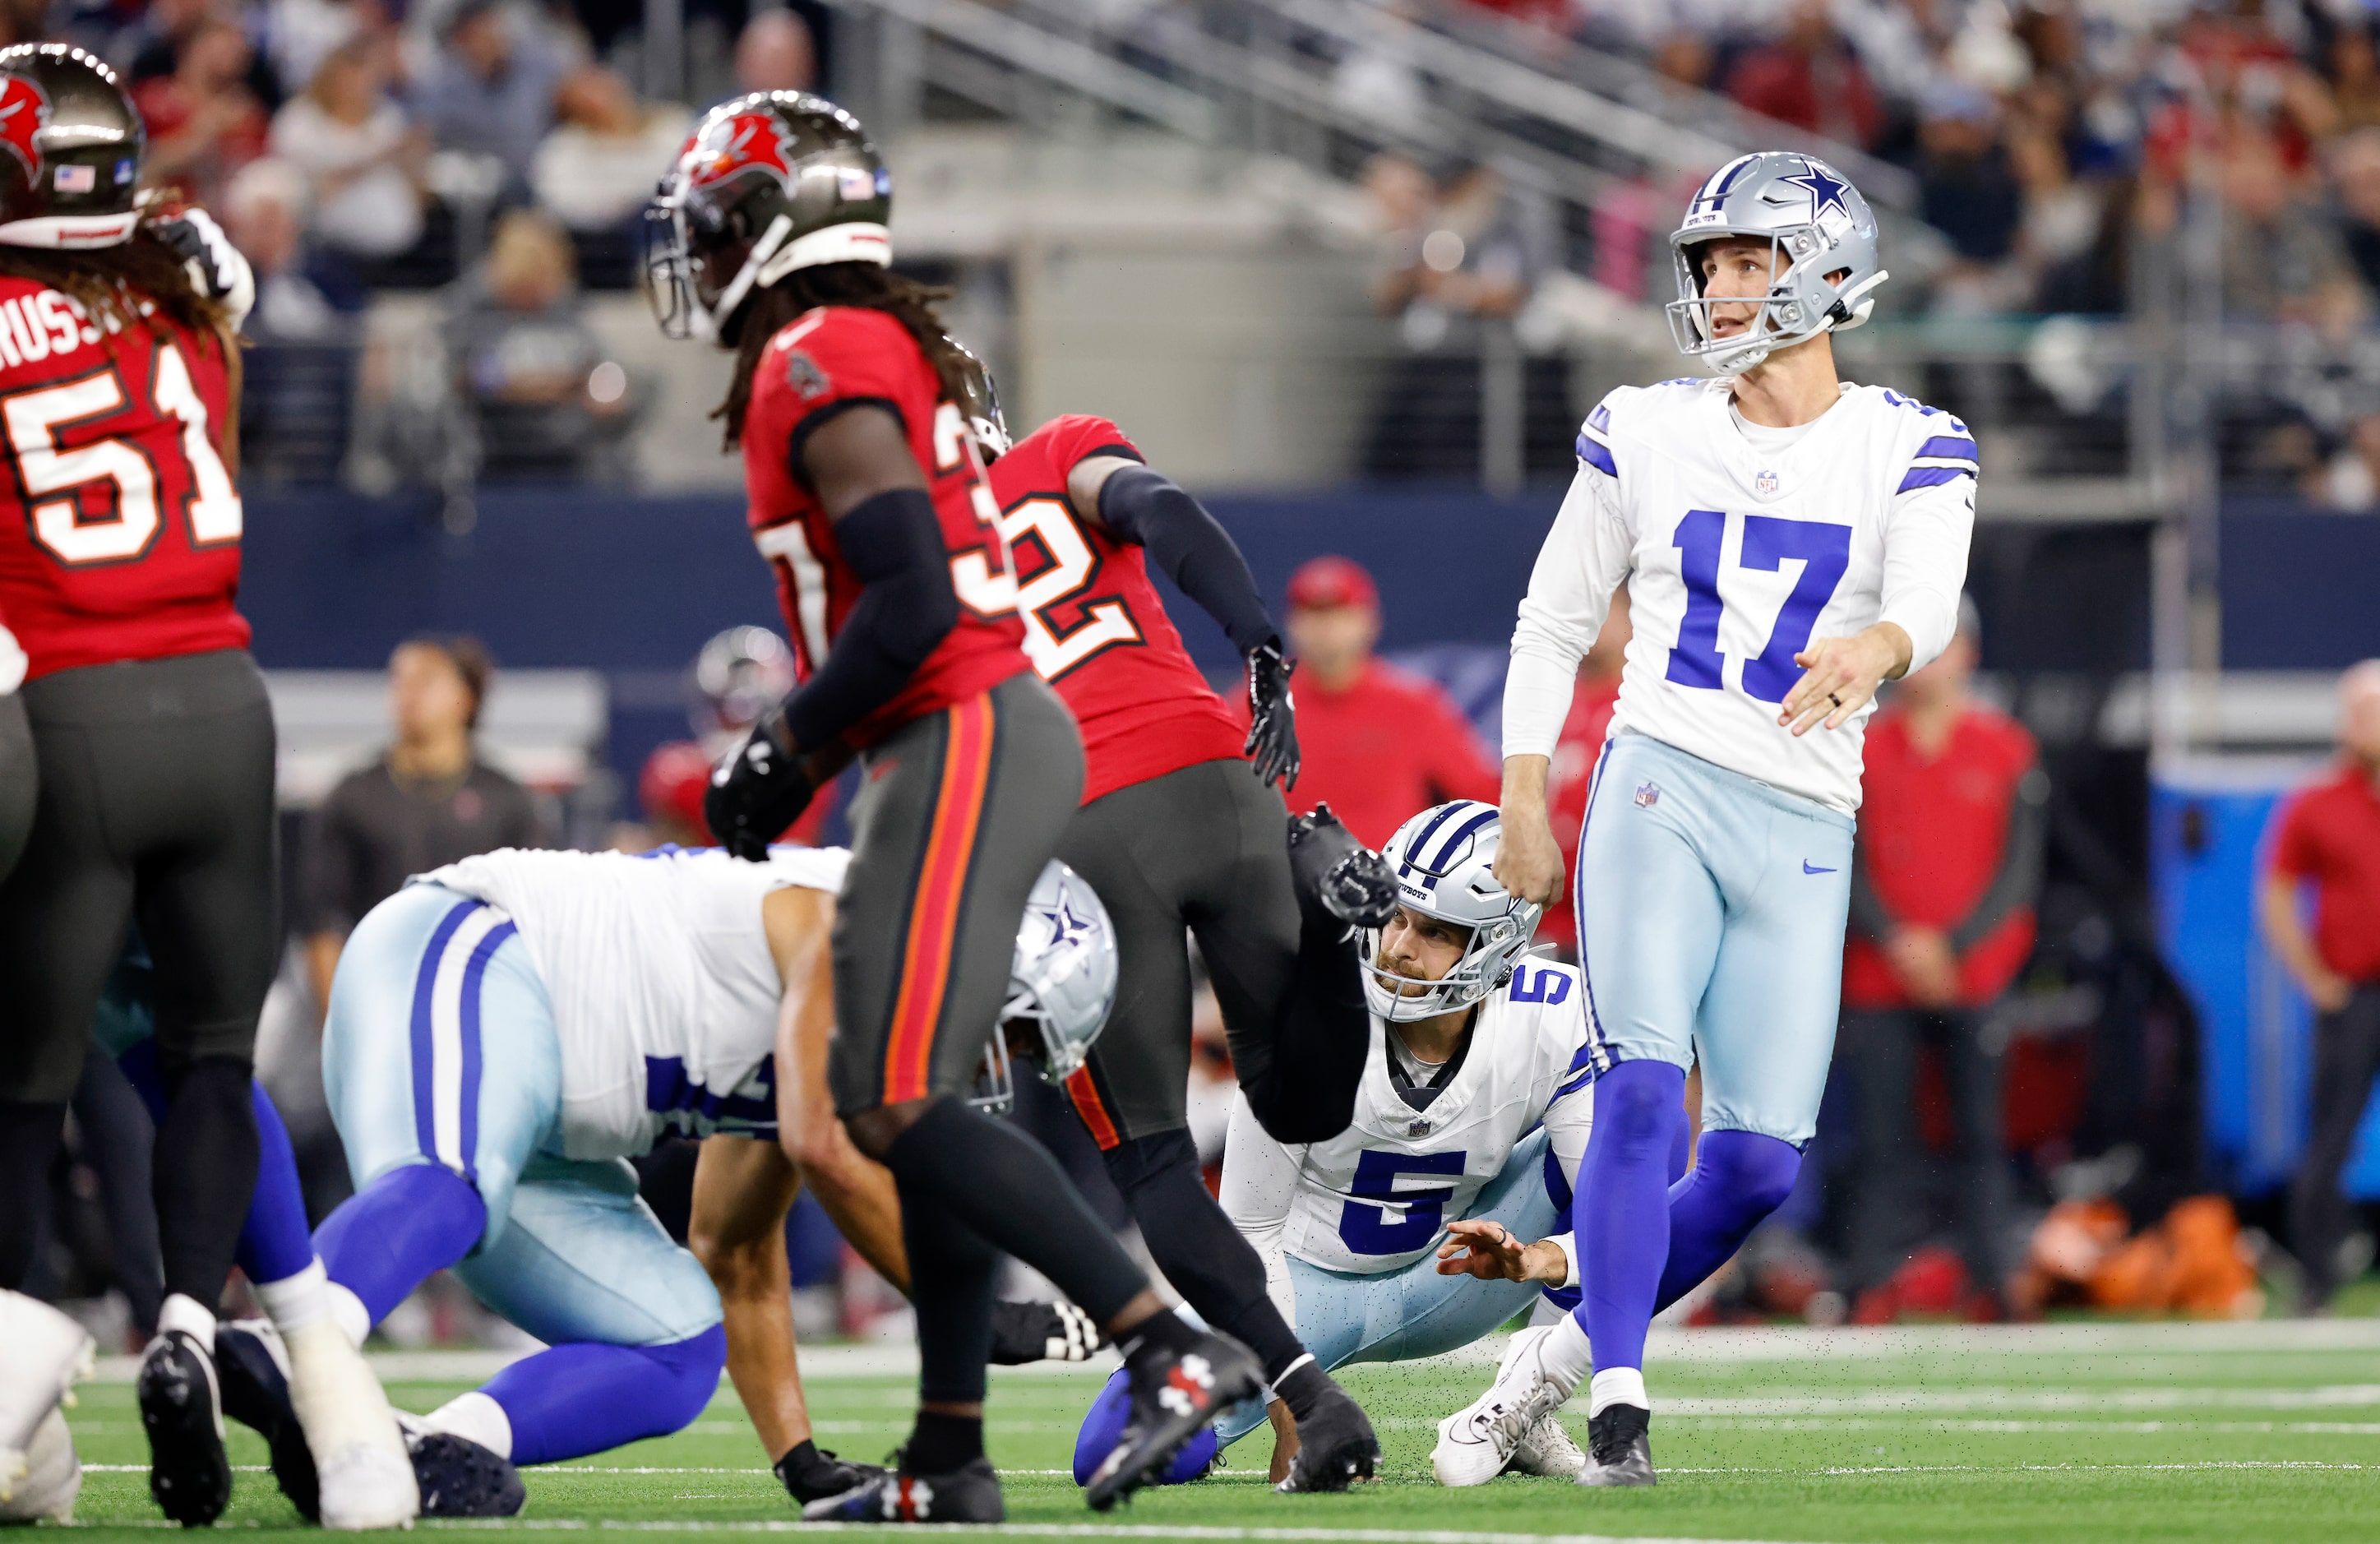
(151, 737)
(867, 498)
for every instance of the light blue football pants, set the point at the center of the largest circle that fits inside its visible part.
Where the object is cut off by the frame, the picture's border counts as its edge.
(440, 1048)
(1403, 1315)
(1711, 910)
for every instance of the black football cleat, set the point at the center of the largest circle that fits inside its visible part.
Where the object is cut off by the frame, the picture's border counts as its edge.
(824, 1477)
(181, 1409)
(971, 1494)
(1619, 1447)
(460, 1478)
(1339, 874)
(1335, 1447)
(1023, 1332)
(256, 1394)
(1173, 1395)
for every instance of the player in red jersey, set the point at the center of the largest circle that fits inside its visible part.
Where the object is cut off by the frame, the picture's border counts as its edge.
(1177, 837)
(867, 498)
(151, 733)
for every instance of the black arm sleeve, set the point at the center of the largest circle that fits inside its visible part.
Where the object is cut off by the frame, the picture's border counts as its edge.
(2017, 882)
(1869, 919)
(1144, 506)
(893, 543)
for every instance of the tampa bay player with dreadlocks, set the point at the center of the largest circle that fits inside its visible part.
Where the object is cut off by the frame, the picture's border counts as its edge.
(1790, 541)
(1178, 838)
(866, 496)
(151, 733)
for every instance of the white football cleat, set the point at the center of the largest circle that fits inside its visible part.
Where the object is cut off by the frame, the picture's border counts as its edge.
(1477, 1442)
(1547, 1448)
(42, 1354)
(365, 1473)
(52, 1479)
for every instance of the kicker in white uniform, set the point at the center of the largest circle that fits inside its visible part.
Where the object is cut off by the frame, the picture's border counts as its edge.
(1789, 541)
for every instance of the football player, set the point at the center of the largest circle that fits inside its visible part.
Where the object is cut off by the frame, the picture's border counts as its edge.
(1185, 841)
(150, 730)
(865, 495)
(1790, 541)
(505, 1031)
(1474, 1105)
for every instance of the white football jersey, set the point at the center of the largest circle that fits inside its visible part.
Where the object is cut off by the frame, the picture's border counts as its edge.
(663, 989)
(1735, 557)
(1378, 1196)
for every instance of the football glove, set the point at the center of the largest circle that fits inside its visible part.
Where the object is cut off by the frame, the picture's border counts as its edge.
(216, 267)
(759, 791)
(1272, 717)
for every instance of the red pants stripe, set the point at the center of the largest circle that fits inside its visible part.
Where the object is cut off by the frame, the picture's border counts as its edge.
(941, 887)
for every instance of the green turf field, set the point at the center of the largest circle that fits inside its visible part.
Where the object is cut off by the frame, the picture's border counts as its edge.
(2064, 1432)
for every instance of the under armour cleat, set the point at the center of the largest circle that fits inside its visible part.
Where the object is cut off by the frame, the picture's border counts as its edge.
(45, 1491)
(1173, 1395)
(42, 1353)
(1481, 1440)
(181, 1409)
(1619, 1447)
(1056, 1332)
(971, 1494)
(1335, 1446)
(460, 1478)
(1547, 1448)
(253, 1370)
(1339, 874)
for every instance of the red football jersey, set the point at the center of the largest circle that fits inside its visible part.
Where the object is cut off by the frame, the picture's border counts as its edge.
(119, 525)
(1094, 627)
(847, 354)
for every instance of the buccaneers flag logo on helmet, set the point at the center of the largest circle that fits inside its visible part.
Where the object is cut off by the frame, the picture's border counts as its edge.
(733, 144)
(23, 111)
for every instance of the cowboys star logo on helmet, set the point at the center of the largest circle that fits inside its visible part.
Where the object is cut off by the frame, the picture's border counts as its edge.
(23, 111)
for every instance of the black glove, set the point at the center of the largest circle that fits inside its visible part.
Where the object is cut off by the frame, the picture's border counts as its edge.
(215, 266)
(1272, 716)
(1056, 1332)
(759, 791)
(810, 1473)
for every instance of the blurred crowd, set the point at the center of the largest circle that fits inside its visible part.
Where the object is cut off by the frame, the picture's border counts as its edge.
(2057, 147)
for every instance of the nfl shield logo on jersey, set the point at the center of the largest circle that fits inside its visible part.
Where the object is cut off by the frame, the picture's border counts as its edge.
(1648, 795)
(1417, 1127)
(1765, 484)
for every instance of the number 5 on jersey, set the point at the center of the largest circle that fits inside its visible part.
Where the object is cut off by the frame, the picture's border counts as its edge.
(55, 476)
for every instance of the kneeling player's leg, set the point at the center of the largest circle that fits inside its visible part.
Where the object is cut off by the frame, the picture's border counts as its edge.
(1767, 1031)
(443, 1075)
(1650, 919)
(631, 1320)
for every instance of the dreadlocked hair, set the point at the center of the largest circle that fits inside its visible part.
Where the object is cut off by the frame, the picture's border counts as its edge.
(113, 285)
(865, 285)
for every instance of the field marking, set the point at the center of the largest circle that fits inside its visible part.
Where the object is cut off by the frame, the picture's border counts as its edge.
(1717, 1344)
(1066, 1530)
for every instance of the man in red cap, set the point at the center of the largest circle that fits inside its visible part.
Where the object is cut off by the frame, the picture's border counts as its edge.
(1379, 743)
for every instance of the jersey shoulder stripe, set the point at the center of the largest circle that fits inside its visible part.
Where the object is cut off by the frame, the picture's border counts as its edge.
(1945, 450)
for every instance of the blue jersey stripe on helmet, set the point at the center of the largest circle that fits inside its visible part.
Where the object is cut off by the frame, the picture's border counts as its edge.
(1421, 838)
(1947, 444)
(1931, 477)
(1597, 456)
(1600, 418)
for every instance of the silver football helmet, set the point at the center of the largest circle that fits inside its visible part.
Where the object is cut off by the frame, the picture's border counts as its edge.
(1443, 860)
(1816, 224)
(1063, 982)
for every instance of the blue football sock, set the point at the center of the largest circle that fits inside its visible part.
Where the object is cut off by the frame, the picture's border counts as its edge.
(275, 1243)
(574, 1400)
(397, 1231)
(1739, 1178)
(1620, 1211)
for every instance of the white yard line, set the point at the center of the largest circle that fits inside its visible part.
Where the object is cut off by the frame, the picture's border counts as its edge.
(1081, 1530)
